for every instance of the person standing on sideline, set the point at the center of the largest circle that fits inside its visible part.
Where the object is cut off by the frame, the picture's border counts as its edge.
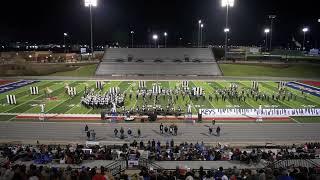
(86, 128)
(88, 135)
(171, 130)
(210, 130)
(93, 135)
(218, 131)
(172, 143)
(129, 132)
(121, 133)
(175, 128)
(166, 129)
(139, 132)
(161, 128)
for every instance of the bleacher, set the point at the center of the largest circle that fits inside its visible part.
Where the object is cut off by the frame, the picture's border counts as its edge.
(164, 54)
(158, 61)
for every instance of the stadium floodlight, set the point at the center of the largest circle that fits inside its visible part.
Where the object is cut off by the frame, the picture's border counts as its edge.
(199, 31)
(90, 4)
(93, 3)
(304, 30)
(227, 4)
(132, 33)
(266, 31)
(64, 42)
(272, 17)
(155, 38)
(226, 30)
(201, 34)
(165, 39)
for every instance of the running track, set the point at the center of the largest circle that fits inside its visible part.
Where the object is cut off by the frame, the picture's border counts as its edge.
(249, 133)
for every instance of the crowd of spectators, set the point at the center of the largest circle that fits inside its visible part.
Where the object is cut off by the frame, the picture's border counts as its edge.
(201, 152)
(156, 151)
(288, 173)
(32, 172)
(43, 154)
(75, 154)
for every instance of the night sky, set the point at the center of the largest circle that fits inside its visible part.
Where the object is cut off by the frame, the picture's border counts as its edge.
(46, 20)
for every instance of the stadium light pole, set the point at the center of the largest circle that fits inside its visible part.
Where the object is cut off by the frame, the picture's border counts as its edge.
(272, 18)
(132, 33)
(201, 34)
(165, 39)
(199, 24)
(64, 41)
(155, 38)
(267, 31)
(227, 4)
(226, 31)
(317, 38)
(91, 4)
(304, 30)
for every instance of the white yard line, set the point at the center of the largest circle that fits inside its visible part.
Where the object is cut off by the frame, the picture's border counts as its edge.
(210, 93)
(10, 114)
(108, 86)
(19, 90)
(128, 87)
(295, 120)
(78, 102)
(135, 103)
(27, 101)
(131, 85)
(63, 101)
(11, 119)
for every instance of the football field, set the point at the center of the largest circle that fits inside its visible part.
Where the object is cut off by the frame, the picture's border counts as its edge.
(59, 102)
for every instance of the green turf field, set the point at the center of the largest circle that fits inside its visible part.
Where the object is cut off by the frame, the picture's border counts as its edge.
(6, 117)
(247, 70)
(307, 119)
(83, 71)
(63, 104)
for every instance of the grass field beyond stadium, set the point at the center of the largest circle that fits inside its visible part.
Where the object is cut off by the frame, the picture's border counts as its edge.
(246, 70)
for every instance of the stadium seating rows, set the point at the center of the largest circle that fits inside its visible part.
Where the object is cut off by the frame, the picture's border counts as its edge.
(152, 54)
(158, 61)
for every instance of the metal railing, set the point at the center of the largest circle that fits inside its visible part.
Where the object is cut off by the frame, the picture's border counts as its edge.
(117, 166)
(309, 163)
(146, 163)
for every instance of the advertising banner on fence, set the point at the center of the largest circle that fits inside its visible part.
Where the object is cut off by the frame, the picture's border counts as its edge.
(237, 112)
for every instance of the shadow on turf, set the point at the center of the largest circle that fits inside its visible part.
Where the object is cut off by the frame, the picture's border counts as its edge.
(166, 134)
